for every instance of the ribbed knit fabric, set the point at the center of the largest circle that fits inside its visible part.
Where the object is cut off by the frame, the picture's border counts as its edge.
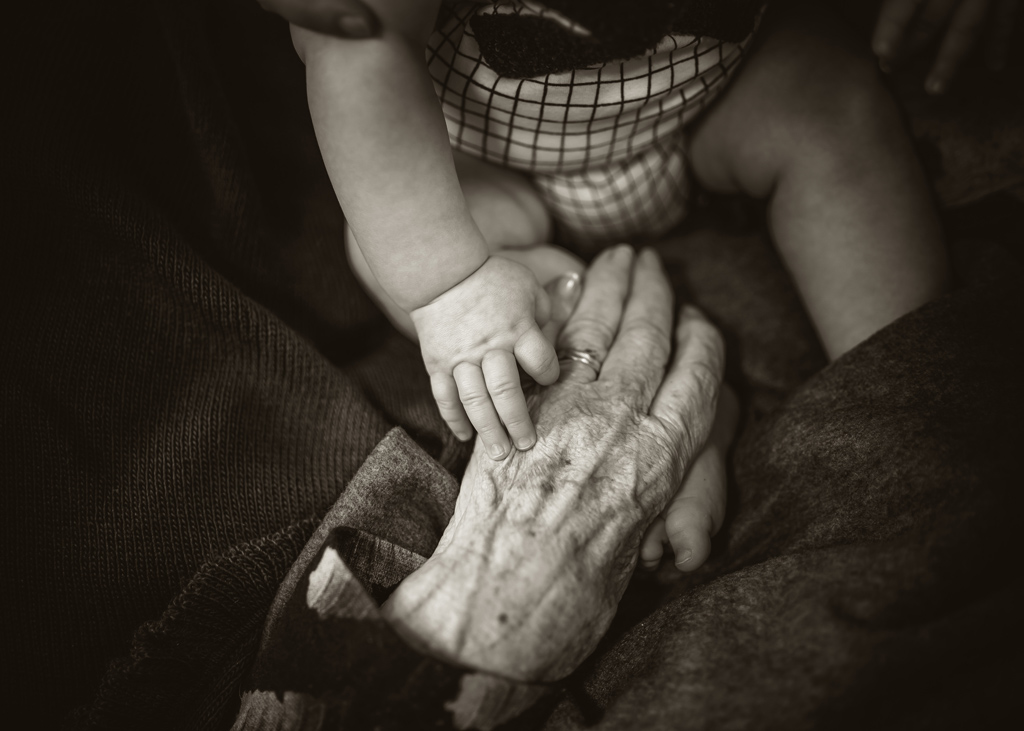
(187, 362)
(190, 377)
(618, 29)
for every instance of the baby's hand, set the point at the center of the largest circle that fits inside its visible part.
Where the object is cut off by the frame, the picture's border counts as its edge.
(963, 22)
(472, 336)
(694, 515)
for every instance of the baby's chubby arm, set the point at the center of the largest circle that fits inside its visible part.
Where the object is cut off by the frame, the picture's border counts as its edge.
(386, 149)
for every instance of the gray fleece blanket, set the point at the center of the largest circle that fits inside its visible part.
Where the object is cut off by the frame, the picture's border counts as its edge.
(191, 379)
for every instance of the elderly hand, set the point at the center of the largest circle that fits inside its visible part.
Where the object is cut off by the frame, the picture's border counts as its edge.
(345, 18)
(911, 24)
(530, 570)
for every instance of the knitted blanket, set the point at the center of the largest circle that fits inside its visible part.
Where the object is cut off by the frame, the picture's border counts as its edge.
(191, 378)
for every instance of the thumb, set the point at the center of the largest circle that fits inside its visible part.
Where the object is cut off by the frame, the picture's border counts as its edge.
(564, 292)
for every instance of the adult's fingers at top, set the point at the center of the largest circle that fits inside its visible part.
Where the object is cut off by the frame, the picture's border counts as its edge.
(934, 16)
(641, 349)
(686, 401)
(965, 29)
(893, 19)
(595, 321)
(1004, 15)
(345, 18)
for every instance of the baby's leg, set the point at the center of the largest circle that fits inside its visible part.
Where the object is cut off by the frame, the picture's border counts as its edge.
(695, 513)
(512, 219)
(808, 125)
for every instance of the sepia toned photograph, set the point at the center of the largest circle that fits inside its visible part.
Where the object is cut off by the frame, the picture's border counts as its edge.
(512, 365)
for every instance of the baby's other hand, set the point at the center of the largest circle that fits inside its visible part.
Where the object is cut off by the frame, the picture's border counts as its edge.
(472, 337)
(908, 25)
(695, 513)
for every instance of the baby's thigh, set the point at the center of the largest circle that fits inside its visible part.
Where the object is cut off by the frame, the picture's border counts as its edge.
(505, 206)
(547, 262)
(808, 87)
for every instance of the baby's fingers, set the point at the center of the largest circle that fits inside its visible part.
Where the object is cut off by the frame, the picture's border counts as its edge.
(476, 400)
(446, 394)
(651, 545)
(696, 512)
(967, 26)
(537, 356)
(502, 378)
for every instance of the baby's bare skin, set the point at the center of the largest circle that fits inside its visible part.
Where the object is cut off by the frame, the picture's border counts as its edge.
(529, 572)
(510, 214)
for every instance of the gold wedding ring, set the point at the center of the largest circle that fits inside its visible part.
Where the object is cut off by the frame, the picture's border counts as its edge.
(586, 357)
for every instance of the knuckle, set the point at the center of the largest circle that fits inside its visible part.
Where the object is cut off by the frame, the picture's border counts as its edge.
(548, 361)
(490, 431)
(651, 339)
(505, 390)
(587, 331)
(473, 399)
(447, 405)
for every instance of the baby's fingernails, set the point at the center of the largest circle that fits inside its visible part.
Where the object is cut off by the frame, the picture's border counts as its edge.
(687, 555)
(497, 451)
(525, 443)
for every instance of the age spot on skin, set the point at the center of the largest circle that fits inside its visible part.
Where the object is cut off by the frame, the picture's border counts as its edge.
(503, 618)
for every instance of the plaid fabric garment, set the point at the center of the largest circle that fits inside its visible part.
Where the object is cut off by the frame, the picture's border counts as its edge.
(604, 144)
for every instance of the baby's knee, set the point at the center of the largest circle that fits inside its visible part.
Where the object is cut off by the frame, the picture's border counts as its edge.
(805, 97)
(841, 111)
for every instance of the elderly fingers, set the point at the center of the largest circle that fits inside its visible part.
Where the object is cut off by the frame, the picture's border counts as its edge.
(686, 400)
(502, 378)
(593, 325)
(641, 348)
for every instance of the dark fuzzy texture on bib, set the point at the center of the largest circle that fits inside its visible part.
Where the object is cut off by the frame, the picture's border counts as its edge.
(523, 46)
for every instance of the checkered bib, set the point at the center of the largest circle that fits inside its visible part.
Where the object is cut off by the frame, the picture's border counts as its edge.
(603, 144)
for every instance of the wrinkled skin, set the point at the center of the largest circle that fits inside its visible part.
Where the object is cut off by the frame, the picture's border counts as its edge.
(527, 576)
